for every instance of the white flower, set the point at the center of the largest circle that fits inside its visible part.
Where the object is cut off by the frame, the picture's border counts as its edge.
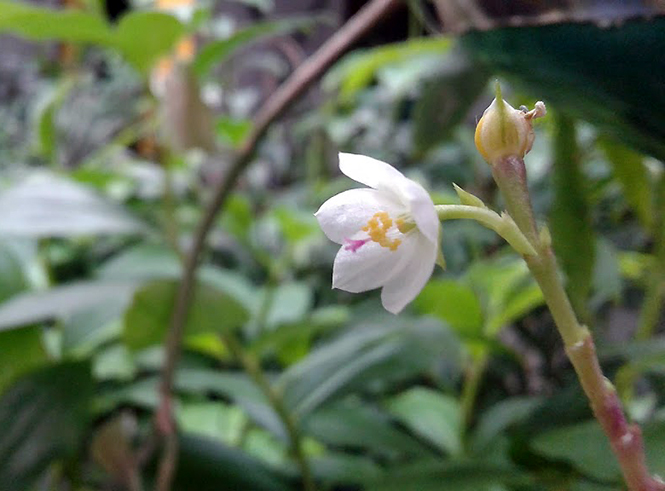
(389, 233)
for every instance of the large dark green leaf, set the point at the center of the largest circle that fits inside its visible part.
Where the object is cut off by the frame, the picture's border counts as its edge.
(206, 465)
(43, 417)
(610, 76)
(147, 319)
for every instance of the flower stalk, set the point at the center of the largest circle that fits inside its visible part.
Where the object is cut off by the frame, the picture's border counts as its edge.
(509, 173)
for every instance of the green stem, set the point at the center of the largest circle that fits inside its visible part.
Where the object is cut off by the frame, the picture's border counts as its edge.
(501, 224)
(473, 377)
(625, 439)
(253, 368)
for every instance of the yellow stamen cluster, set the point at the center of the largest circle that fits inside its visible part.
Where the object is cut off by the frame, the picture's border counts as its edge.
(377, 228)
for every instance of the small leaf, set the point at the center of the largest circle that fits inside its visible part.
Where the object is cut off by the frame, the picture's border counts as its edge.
(431, 415)
(142, 37)
(467, 198)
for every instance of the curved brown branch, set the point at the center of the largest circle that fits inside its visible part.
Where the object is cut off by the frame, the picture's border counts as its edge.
(308, 73)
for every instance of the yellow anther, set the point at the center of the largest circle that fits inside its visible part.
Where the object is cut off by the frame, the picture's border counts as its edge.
(377, 228)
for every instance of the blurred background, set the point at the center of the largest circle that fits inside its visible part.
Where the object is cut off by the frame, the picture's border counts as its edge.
(118, 120)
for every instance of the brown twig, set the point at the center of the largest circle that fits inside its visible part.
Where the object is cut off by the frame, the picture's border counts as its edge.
(309, 72)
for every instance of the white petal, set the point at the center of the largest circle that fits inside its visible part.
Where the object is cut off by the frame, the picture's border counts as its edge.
(411, 276)
(421, 208)
(369, 267)
(343, 215)
(368, 171)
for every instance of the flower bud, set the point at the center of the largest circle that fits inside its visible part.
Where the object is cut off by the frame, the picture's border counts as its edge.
(505, 131)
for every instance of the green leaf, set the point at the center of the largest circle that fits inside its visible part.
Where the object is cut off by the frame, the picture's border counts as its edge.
(233, 131)
(60, 302)
(632, 174)
(431, 415)
(583, 445)
(219, 51)
(37, 23)
(212, 419)
(289, 303)
(90, 327)
(46, 205)
(353, 425)
(45, 417)
(453, 302)
(467, 198)
(358, 69)
(344, 468)
(142, 37)
(573, 238)
(506, 289)
(431, 475)
(559, 63)
(368, 355)
(499, 417)
(12, 271)
(206, 465)
(141, 262)
(607, 283)
(20, 351)
(147, 319)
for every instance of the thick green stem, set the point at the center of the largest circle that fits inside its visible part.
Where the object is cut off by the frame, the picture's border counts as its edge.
(625, 439)
(253, 368)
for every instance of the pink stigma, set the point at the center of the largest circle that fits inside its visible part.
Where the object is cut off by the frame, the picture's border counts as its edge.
(354, 245)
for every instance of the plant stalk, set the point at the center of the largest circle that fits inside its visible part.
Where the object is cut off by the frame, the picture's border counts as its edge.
(625, 439)
(253, 368)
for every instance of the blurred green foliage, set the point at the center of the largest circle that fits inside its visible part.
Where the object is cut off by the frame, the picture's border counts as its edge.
(467, 390)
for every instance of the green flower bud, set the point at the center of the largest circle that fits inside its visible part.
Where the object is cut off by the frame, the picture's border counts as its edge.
(504, 131)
